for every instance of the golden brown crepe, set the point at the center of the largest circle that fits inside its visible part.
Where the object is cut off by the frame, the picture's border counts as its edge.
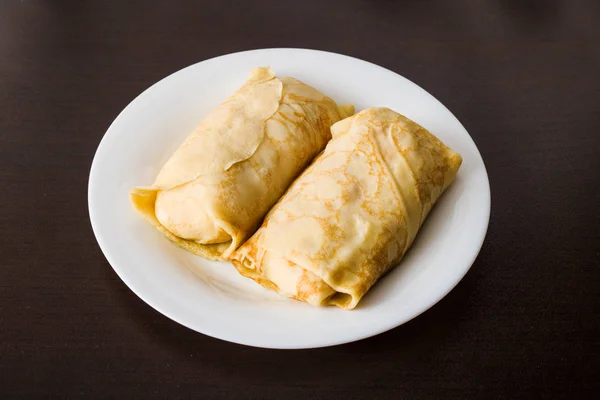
(215, 189)
(353, 213)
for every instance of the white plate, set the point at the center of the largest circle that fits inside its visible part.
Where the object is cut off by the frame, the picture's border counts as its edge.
(210, 297)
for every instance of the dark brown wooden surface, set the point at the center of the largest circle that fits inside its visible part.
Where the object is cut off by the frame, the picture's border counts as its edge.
(522, 76)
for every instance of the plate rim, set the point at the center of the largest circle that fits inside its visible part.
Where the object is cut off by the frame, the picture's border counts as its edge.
(477, 245)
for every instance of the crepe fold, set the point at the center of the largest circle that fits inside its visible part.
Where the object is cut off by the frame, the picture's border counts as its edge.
(216, 188)
(352, 214)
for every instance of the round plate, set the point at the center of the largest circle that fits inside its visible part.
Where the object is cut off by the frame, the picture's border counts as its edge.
(211, 297)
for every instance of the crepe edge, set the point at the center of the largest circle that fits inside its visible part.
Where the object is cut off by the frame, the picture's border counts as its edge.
(143, 200)
(344, 299)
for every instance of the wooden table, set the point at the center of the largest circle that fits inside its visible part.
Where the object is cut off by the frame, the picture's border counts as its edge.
(522, 76)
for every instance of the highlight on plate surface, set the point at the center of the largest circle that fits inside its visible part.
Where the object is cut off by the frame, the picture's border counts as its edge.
(343, 222)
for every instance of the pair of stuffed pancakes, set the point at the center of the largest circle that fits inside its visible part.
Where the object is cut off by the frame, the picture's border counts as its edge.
(352, 214)
(214, 191)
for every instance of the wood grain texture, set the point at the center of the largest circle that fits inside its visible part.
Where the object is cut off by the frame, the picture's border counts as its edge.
(522, 76)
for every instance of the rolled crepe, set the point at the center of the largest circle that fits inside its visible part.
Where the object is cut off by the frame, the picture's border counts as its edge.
(218, 185)
(352, 214)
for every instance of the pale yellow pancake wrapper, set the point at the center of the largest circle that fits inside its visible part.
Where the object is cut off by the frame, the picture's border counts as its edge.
(353, 214)
(218, 185)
